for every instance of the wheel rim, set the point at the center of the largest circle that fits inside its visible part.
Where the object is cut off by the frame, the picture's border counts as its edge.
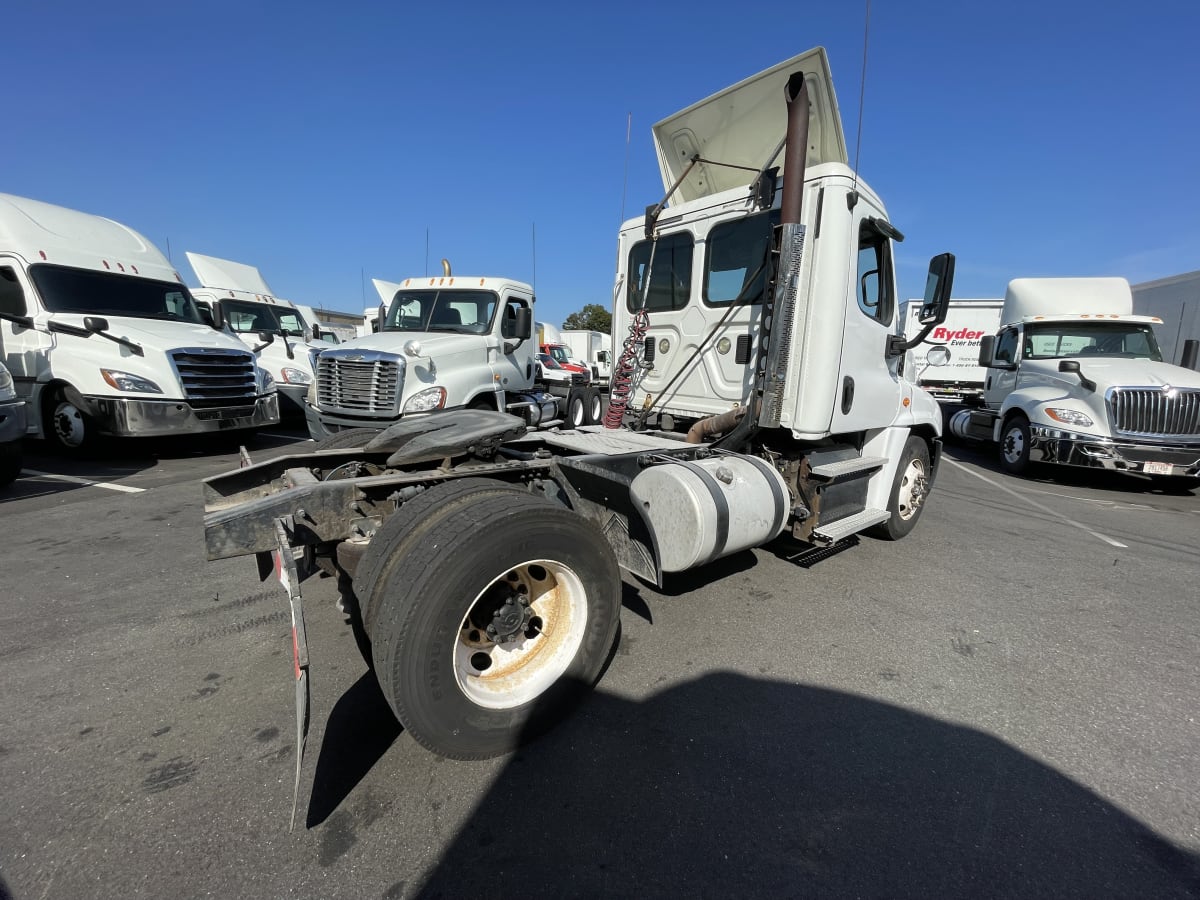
(914, 486)
(520, 634)
(595, 408)
(577, 412)
(1014, 445)
(68, 424)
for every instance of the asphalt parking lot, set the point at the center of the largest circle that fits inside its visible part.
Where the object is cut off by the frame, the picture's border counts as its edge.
(1002, 704)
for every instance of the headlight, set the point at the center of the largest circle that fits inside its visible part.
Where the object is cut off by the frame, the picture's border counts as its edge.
(1069, 417)
(7, 391)
(123, 381)
(426, 400)
(266, 384)
(290, 375)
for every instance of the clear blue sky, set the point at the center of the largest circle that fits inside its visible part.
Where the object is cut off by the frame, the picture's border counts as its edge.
(320, 142)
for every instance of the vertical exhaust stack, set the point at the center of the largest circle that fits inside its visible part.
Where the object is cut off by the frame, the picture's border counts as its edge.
(779, 315)
(796, 152)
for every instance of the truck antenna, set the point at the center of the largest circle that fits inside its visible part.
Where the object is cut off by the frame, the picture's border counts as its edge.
(625, 177)
(862, 90)
(427, 251)
(533, 244)
(362, 283)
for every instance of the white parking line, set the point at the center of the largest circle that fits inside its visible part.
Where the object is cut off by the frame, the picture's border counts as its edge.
(72, 479)
(1026, 499)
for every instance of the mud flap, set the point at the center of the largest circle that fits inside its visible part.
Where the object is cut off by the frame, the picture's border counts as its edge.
(289, 577)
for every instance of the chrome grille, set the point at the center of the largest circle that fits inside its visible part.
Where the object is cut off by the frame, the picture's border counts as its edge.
(1153, 412)
(360, 383)
(215, 377)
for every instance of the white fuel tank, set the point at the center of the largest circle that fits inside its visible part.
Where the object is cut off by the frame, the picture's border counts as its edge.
(703, 510)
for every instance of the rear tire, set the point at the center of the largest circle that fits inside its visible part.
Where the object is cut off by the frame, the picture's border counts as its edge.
(537, 577)
(594, 406)
(576, 408)
(910, 488)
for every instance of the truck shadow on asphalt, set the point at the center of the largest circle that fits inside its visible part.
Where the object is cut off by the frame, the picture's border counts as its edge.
(984, 457)
(734, 786)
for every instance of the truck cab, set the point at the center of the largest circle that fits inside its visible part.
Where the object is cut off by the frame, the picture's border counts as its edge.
(1074, 378)
(235, 296)
(447, 342)
(103, 338)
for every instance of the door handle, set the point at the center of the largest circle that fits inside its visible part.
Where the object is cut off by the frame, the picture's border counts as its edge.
(847, 394)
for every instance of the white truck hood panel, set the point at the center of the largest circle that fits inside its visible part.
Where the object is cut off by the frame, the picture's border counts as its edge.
(743, 124)
(1116, 372)
(157, 335)
(432, 343)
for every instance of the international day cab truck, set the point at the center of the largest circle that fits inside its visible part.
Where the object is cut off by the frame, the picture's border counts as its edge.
(1074, 378)
(237, 296)
(759, 393)
(102, 337)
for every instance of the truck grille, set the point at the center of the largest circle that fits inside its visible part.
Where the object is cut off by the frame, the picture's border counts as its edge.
(360, 383)
(215, 377)
(1153, 412)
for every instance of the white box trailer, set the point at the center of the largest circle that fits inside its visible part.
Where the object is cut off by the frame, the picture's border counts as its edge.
(1176, 301)
(593, 349)
(102, 336)
(961, 378)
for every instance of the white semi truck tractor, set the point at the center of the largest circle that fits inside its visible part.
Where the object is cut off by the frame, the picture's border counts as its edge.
(1075, 379)
(761, 393)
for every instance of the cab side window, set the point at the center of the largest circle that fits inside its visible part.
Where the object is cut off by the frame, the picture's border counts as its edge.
(1006, 346)
(12, 297)
(508, 328)
(874, 285)
(669, 276)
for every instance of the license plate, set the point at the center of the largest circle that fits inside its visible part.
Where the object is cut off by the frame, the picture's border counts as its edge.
(1158, 468)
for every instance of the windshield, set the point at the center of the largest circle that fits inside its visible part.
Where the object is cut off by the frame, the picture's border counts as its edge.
(1055, 340)
(460, 312)
(248, 316)
(109, 294)
(559, 353)
(548, 361)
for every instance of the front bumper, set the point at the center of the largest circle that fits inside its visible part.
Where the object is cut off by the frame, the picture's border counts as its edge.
(1053, 445)
(291, 398)
(147, 418)
(12, 421)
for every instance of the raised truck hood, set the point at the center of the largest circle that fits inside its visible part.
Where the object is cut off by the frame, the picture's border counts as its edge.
(227, 275)
(386, 289)
(743, 124)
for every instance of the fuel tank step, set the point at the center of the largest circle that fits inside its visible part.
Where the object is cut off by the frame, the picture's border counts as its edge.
(842, 528)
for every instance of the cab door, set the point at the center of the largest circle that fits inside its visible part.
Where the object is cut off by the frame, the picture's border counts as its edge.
(512, 371)
(24, 350)
(868, 391)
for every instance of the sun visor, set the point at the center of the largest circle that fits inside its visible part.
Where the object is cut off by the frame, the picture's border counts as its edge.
(227, 275)
(743, 124)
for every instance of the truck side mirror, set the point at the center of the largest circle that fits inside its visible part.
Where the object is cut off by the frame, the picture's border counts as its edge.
(382, 317)
(938, 356)
(95, 324)
(938, 284)
(934, 307)
(519, 327)
(267, 338)
(1072, 365)
(987, 347)
(216, 314)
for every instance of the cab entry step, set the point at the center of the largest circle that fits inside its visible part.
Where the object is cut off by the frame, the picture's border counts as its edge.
(843, 528)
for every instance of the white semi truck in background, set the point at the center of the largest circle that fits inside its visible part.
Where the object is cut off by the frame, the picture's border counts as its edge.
(958, 377)
(1074, 378)
(445, 342)
(236, 296)
(592, 349)
(101, 336)
(761, 391)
